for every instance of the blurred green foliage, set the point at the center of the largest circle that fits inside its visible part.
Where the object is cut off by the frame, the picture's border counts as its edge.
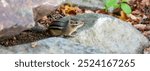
(113, 4)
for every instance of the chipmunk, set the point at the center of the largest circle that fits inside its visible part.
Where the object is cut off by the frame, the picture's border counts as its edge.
(66, 29)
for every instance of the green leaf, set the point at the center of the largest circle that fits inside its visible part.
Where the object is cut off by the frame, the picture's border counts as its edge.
(110, 3)
(126, 8)
(124, 1)
(116, 6)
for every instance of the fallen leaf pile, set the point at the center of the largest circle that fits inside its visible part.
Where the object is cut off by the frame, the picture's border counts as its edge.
(69, 9)
(140, 16)
(47, 20)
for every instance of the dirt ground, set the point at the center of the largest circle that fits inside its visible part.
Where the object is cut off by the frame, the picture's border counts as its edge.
(24, 37)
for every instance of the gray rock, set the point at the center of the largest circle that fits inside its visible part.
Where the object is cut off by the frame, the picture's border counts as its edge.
(90, 4)
(52, 46)
(36, 3)
(100, 34)
(44, 7)
(17, 15)
(114, 35)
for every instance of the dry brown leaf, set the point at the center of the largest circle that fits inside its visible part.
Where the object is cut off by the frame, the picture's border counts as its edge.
(101, 11)
(123, 16)
(141, 27)
(147, 27)
(145, 2)
(147, 50)
(146, 33)
(133, 17)
(78, 10)
(68, 9)
(44, 18)
(136, 12)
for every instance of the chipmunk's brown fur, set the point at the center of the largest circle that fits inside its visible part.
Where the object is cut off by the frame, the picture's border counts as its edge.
(65, 28)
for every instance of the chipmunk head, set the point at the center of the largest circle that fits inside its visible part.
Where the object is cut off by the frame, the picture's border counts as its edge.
(75, 23)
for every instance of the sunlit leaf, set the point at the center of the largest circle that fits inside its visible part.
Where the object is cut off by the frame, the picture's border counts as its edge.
(116, 6)
(126, 8)
(110, 3)
(124, 0)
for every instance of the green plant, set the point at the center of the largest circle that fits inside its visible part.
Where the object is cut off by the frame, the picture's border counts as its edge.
(113, 4)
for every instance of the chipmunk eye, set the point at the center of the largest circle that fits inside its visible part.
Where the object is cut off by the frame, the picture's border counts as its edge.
(76, 22)
(71, 22)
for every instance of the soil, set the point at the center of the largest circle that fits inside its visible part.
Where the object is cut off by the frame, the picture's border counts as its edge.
(24, 37)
